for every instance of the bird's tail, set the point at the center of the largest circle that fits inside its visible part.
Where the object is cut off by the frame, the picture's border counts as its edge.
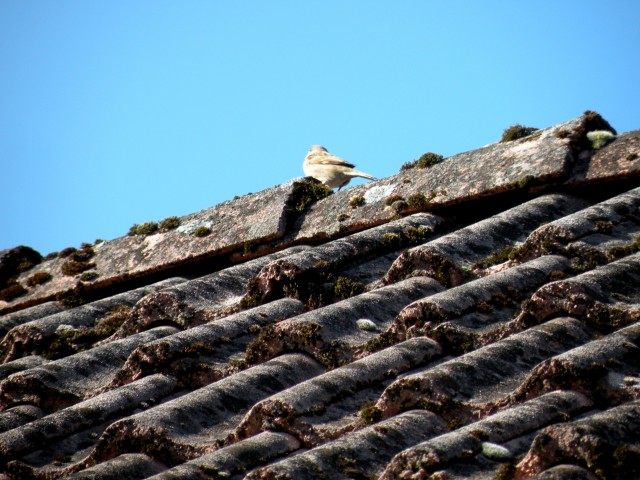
(356, 173)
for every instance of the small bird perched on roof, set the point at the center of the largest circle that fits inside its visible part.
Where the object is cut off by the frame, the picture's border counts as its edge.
(329, 169)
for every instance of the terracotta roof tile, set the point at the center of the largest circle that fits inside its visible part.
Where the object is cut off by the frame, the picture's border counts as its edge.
(199, 421)
(467, 442)
(59, 383)
(477, 306)
(36, 335)
(306, 409)
(10, 320)
(616, 161)
(332, 334)
(207, 352)
(60, 424)
(358, 453)
(603, 441)
(236, 458)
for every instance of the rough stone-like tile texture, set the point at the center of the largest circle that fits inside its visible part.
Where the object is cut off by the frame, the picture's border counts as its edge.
(19, 415)
(61, 383)
(303, 275)
(605, 370)
(619, 160)
(451, 258)
(462, 444)
(234, 459)
(606, 297)
(21, 364)
(357, 455)
(58, 425)
(607, 443)
(463, 386)
(124, 467)
(38, 335)
(252, 219)
(10, 320)
(334, 333)
(594, 235)
(198, 422)
(462, 314)
(200, 300)
(301, 409)
(191, 355)
(566, 472)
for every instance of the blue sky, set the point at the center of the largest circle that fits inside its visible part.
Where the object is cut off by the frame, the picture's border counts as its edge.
(120, 112)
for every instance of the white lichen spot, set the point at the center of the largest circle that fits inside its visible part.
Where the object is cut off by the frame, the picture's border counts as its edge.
(231, 301)
(64, 330)
(496, 452)
(189, 228)
(366, 325)
(378, 193)
(599, 138)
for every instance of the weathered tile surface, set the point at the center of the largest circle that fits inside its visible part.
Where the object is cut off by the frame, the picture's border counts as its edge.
(477, 319)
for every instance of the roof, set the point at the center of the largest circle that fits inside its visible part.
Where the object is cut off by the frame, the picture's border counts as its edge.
(479, 318)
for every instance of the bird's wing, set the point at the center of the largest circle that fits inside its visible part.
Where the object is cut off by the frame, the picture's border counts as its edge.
(324, 158)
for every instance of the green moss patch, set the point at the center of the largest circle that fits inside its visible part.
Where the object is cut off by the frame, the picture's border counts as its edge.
(415, 235)
(201, 232)
(147, 228)
(346, 288)
(369, 413)
(599, 138)
(12, 290)
(515, 132)
(88, 276)
(579, 136)
(69, 340)
(13, 262)
(72, 268)
(356, 201)
(624, 250)
(39, 278)
(390, 200)
(73, 297)
(392, 240)
(315, 287)
(306, 193)
(78, 261)
(426, 160)
(417, 200)
(501, 256)
(170, 223)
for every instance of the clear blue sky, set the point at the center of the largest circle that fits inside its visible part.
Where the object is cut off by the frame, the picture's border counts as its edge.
(120, 112)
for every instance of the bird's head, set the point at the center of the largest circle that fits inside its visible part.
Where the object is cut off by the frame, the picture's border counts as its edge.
(317, 148)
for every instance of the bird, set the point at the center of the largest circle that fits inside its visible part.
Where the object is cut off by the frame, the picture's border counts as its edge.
(332, 171)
